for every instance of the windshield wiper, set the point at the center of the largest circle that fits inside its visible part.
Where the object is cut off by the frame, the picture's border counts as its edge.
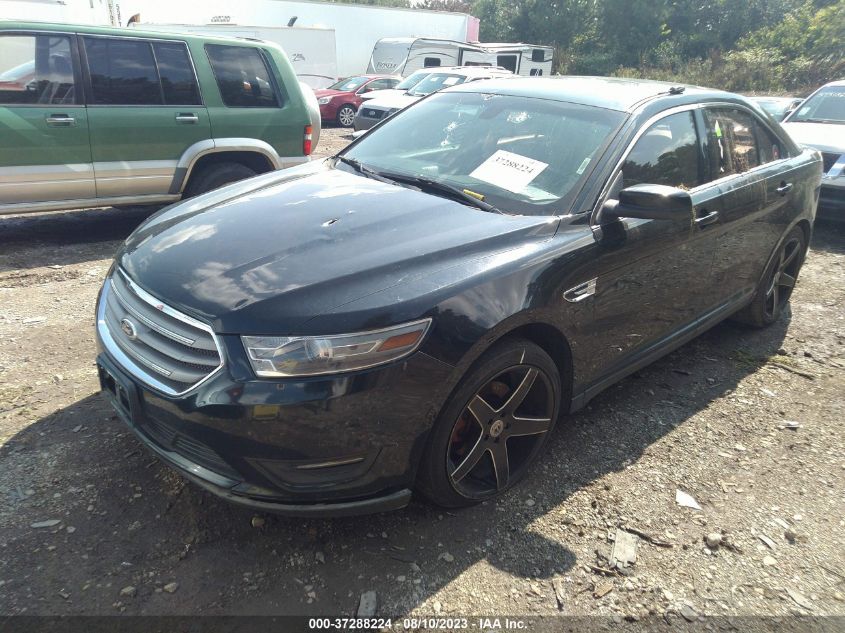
(834, 121)
(363, 169)
(436, 186)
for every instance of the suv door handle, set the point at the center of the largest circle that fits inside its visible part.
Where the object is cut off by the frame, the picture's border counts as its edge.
(187, 117)
(707, 218)
(60, 120)
(784, 188)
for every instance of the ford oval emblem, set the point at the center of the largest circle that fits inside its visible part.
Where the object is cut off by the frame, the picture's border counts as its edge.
(129, 329)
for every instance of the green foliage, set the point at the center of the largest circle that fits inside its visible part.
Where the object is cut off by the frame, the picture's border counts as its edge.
(740, 45)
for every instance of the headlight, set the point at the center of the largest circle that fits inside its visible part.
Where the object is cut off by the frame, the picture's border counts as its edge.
(274, 357)
(324, 100)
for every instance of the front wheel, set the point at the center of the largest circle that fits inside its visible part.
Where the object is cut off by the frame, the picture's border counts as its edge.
(215, 176)
(493, 427)
(778, 282)
(346, 116)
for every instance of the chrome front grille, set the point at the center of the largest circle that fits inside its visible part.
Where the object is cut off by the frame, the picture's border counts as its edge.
(164, 348)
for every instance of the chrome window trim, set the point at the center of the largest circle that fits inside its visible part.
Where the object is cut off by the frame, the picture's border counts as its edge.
(127, 363)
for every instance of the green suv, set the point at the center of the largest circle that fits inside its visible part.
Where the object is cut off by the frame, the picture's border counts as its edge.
(93, 116)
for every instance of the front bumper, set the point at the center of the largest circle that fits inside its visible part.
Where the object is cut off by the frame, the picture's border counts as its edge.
(832, 201)
(328, 446)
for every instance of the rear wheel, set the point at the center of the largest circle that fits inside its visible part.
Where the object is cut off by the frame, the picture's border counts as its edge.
(778, 282)
(217, 175)
(493, 427)
(346, 116)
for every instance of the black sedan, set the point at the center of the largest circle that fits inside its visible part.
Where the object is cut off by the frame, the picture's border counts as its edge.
(417, 312)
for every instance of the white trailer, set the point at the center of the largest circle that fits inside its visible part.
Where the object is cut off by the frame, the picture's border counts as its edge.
(357, 27)
(94, 12)
(404, 55)
(311, 51)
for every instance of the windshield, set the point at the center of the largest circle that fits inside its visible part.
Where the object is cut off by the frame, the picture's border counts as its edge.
(349, 84)
(411, 80)
(826, 106)
(522, 155)
(434, 82)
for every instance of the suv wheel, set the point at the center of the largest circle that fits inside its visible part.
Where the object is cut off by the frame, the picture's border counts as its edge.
(346, 116)
(216, 176)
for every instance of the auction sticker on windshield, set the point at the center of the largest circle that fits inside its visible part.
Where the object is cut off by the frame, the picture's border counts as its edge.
(509, 171)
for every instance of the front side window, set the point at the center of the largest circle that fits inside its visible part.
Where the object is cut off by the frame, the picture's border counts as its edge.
(522, 155)
(731, 141)
(666, 154)
(123, 72)
(771, 149)
(826, 106)
(36, 69)
(242, 76)
(177, 74)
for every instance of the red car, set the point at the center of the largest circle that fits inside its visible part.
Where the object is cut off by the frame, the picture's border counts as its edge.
(340, 101)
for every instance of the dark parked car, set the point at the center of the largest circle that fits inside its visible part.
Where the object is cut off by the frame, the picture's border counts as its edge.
(778, 107)
(418, 311)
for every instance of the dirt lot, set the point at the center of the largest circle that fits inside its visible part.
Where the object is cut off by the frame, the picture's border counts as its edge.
(749, 423)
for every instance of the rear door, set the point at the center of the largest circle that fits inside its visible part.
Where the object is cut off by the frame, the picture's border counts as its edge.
(44, 150)
(145, 110)
(753, 173)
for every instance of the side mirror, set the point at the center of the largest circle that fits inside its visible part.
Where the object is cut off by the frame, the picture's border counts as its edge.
(649, 202)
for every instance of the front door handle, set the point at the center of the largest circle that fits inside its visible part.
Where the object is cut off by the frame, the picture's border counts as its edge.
(187, 117)
(60, 120)
(707, 218)
(784, 188)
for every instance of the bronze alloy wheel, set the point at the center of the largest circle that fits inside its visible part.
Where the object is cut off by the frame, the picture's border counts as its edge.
(499, 431)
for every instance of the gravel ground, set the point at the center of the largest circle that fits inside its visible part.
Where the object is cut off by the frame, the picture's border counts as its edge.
(748, 423)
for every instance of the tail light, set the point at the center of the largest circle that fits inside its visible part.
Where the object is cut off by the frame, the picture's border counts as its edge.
(306, 140)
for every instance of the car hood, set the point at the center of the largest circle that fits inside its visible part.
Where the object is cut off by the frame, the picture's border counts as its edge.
(380, 94)
(825, 137)
(391, 102)
(325, 92)
(268, 260)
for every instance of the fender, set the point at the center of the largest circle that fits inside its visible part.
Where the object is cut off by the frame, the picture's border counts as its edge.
(199, 149)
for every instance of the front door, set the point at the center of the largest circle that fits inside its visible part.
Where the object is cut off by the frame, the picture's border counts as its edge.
(144, 111)
(650, 275)
(45, 154)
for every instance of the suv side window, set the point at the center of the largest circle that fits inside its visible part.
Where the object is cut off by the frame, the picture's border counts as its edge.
(178, 81)
(666, 154)
(123, 72)
(36, 69)
(731, 143)
(242, 76)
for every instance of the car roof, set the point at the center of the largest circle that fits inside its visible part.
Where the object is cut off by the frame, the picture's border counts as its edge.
(611, 93)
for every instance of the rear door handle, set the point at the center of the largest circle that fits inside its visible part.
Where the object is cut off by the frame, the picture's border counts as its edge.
(784, 188)
(60, 120)
(187, 117)
(707, 218)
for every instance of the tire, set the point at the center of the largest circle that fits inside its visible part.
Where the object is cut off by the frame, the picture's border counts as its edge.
(477, 426)
(777, 283)
(346, 116)
(217, 175)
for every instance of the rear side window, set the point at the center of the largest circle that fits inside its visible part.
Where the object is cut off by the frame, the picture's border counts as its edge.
(36, 69)
(731, 142)
(123, 72)
(666, 154)
(177, 74)
(242, 76)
